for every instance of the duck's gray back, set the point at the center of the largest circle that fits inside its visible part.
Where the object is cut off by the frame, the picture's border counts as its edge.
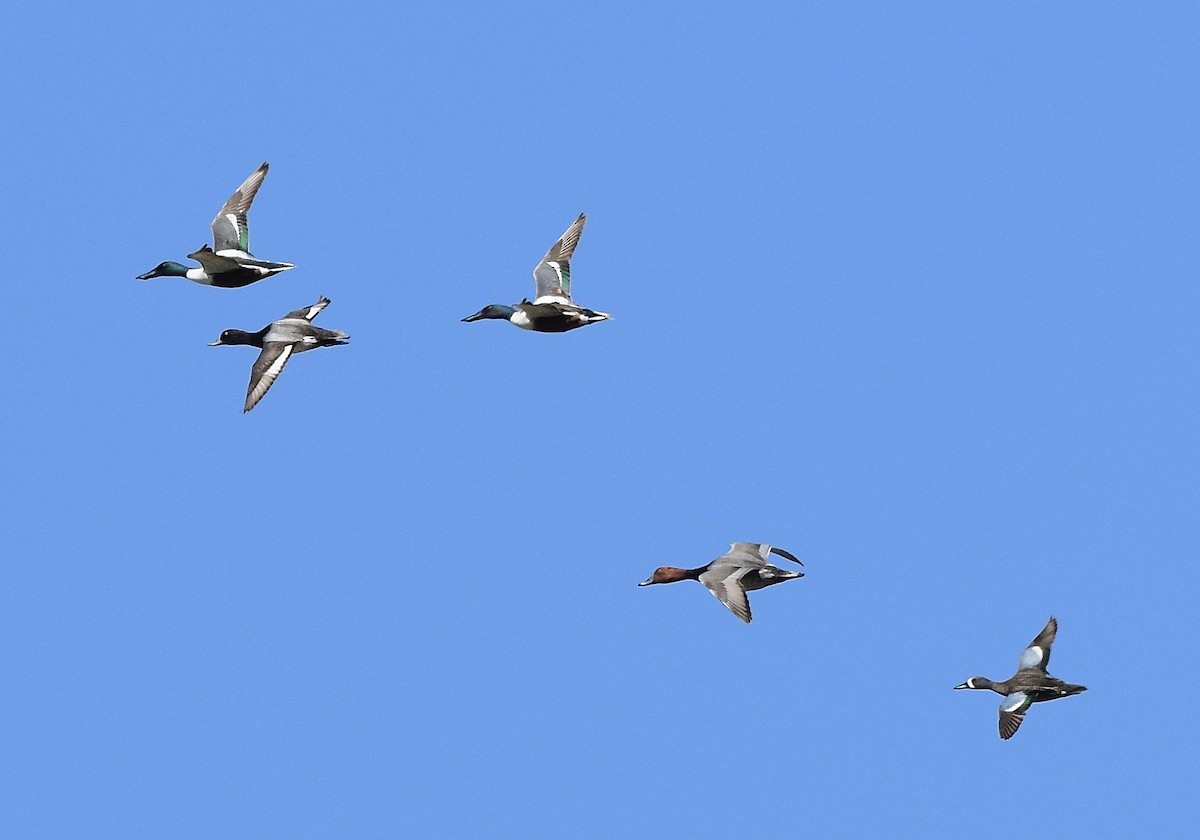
(290, 330)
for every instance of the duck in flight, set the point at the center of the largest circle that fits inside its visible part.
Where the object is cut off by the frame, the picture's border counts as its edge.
(552, 310)
(280, 340)
(229, 263)
(742, 569)
(1031, 684)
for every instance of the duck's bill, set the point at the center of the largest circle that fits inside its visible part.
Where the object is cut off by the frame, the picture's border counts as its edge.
(647, 581)
(477, 316)
(149, 275)
(217, 343)
(961, 685)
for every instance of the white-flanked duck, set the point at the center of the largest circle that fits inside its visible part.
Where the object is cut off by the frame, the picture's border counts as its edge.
(229, 263)
(1031, 684)
(280, 340)
(742, 569)
(552, 310)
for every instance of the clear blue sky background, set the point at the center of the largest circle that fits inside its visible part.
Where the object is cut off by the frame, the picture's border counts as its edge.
(911, 293)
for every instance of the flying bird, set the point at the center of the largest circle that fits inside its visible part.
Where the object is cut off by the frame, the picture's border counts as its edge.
(742, 569)
(1030, 684)
(280, 340)
(229, 263)
(552, 310)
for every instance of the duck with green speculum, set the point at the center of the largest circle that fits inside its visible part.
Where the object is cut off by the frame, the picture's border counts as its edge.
(229, 263)
(552, 310)
(1031, 684)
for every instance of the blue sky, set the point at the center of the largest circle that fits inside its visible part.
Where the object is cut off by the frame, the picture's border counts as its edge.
(910, 293)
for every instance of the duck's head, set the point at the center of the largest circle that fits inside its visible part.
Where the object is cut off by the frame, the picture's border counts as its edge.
(170, 268)
(234, 337)
(666, 574)
(975, 682)
(493, 310)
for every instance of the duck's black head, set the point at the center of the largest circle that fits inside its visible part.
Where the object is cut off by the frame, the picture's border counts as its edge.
(493, 310)
(239, 337)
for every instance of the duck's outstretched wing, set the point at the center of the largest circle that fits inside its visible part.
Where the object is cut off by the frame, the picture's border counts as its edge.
(231, 231)
(728, 589)
(552, 275)
(266, 370)
(1012, 713)
(1037, 656)
(787, 555)
(309, 312)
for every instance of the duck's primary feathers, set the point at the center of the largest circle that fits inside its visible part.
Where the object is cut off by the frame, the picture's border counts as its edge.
(1030, 684)
(280, 340)
(229, 263)
(742, 569)
(552, 310)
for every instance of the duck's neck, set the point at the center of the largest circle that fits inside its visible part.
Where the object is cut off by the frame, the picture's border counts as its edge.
(984, 682)
(174, 269)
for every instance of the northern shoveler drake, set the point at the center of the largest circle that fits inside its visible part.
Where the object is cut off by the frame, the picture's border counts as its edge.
(280, 340)
(229, 263)
(552, 310)
(1031, 684)
(742, 569)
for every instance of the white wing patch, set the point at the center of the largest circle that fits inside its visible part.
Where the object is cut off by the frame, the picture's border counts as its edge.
(277, 366)
(1014, 702)
(1031, 657)
(259, 389)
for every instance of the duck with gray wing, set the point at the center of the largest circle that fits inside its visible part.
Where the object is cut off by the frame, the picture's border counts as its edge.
(229, 263)
(1030, 684)
(742, 569)
(552, 310)
(280, 340)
